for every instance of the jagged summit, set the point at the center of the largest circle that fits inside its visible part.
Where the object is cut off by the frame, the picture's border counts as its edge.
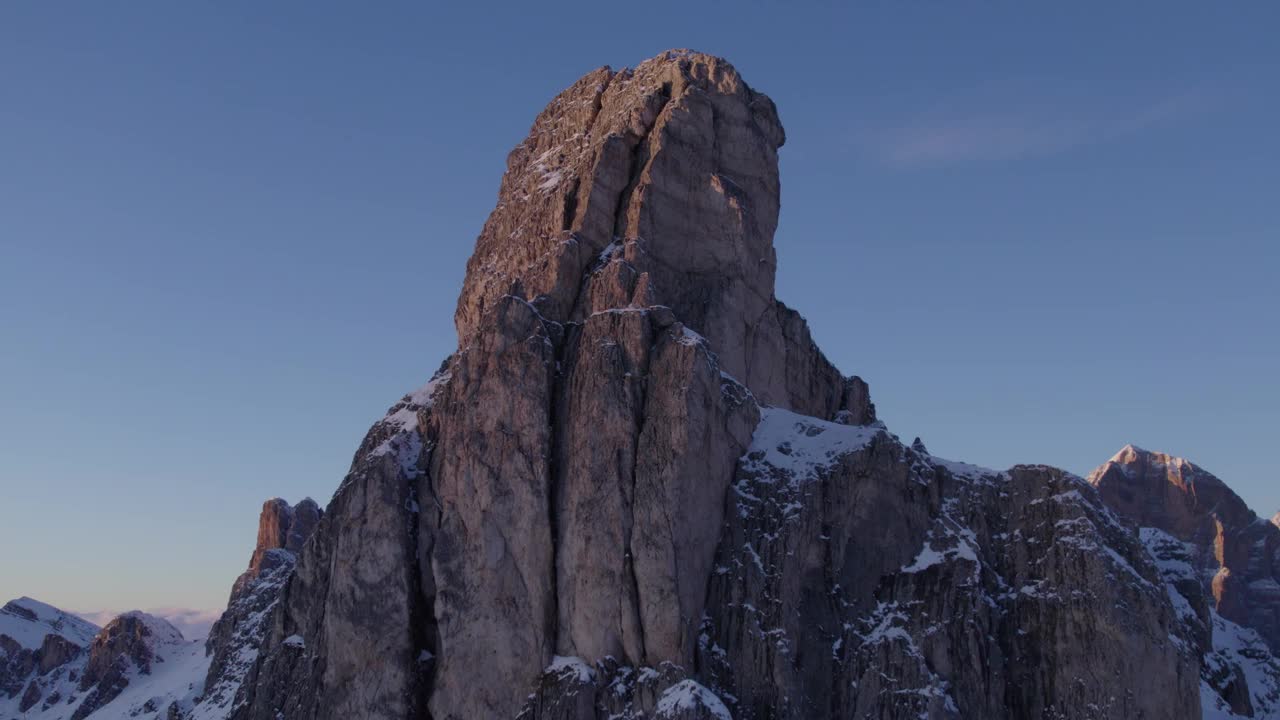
(1130, 452)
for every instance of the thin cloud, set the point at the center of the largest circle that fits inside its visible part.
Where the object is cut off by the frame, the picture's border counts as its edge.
(944, 138)
(193, 623)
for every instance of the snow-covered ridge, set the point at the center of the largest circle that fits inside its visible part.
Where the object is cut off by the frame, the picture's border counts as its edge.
(28, 621)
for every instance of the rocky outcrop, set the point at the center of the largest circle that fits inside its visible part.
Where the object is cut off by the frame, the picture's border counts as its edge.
(281, 526)
(124, 649)
(639, 489)
(235, 639)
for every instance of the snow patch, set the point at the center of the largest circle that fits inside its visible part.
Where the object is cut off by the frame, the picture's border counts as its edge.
(562, 666)
(688, 695)
(801, 446)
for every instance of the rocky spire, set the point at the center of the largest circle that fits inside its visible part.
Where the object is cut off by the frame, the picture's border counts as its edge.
(126, 647)
(281, 526)
(638, 486)
(233, 641)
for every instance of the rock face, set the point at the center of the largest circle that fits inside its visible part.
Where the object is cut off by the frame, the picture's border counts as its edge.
(1221, 561)
(639, 489)
(234, 640)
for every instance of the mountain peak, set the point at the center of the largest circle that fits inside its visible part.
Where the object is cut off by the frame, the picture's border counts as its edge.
(1236, 548)
(1157, 489)
(1131, 453)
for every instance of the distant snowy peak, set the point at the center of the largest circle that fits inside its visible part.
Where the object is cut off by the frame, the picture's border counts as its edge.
(28, 621)
(1156, 489)
(1177, 469)
(157, 632)
(1221, 563)
(57, 666)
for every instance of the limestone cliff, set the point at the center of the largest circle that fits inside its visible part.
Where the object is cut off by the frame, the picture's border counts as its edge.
(639, 489)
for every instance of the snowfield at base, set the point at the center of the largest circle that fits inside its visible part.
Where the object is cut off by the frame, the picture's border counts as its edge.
(689, 695)
(180, 678)
(1245, 648)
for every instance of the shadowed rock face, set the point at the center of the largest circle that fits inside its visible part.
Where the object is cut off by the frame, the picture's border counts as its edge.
(639, 489)
(1238, 553)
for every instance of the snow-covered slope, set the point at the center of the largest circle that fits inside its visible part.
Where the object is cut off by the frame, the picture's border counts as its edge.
(1239, 653)
(28, 621)
(1239, 676)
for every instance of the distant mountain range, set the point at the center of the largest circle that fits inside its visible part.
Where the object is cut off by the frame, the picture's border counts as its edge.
(638, 489)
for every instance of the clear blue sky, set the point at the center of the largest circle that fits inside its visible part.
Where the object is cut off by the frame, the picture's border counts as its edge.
(233, 233)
